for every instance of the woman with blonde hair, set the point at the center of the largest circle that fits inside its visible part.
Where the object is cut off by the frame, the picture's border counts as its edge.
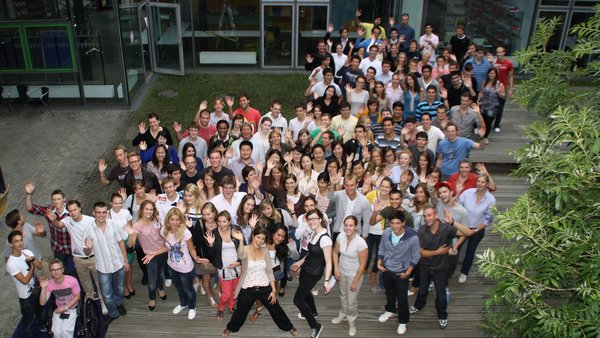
(269, 216)
(366, 122)
(276, 142)
(192, 202)
(375, 169)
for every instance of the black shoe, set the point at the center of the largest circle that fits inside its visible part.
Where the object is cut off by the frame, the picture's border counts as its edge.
(316, 332)
(151, 307)
(127, 296)
(145, 280)
(109, 320)
(122, 310)
(163, 297)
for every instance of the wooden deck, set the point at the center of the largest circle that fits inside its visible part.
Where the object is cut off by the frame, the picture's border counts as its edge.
(465, 308)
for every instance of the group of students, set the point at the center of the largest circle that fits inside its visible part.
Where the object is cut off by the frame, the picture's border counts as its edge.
(371, 175)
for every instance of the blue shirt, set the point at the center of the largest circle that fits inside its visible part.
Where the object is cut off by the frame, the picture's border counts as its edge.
(425, 107)
(480, 70)
(405, 253)
(453, 152)
(408, 32)
(479, 213)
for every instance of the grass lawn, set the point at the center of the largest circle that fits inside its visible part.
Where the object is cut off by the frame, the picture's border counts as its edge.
(193, 89)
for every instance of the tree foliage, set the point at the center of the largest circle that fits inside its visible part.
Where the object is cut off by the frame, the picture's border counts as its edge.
(548, 275)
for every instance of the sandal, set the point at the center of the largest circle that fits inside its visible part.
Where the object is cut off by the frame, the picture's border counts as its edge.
(225, 333)
(254, 317)
(294, 332)
(281, 292)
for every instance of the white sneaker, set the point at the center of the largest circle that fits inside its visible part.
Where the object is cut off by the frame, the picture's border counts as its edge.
(352, 330)
(401, 329)
(178, 309)
(462, 278)
(192, 314)
(386, 316)
(104, 309)
(168, 283)
(340, 318)
(497, 130)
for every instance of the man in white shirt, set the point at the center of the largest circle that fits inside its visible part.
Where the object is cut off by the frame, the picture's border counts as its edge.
(371, 61)
(230, 199)
(168, 200)
(278, 121)
(106, 240)
(434, 134)
(429, 42)
(300, 121)
(193, 138)
(258, 151)
(386, 74)
(77, 225)
(317, 88)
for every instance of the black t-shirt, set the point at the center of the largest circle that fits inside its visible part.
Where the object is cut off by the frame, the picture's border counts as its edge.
(185, 179)
(117, 173)
(219, 175)
(429, 241)
(459, 46)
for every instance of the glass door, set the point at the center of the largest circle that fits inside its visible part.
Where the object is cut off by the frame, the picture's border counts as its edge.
(312, 26)
(277, 35)
(165, 38)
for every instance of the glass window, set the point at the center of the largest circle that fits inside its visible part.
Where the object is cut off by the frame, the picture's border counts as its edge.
(564, 3)
(312, 26)
(11, 49)
(50, 48)
(554, 42)
(31, 10)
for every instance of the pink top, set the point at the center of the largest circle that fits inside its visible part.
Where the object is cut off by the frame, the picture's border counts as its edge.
(65, 292)
(149, 236)
(179, 259)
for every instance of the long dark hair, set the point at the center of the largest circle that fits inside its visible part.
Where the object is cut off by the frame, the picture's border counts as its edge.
(166, 161)
(281, 250)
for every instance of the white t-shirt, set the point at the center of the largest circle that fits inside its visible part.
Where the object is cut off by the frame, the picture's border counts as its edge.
(428, 42)
(120, 218)
(434, 136)
(279, 123)
(349, 262)
(325, 241)
(14, 265)
(320, 87)
(366, 63)
(295, 126)
(78, 231)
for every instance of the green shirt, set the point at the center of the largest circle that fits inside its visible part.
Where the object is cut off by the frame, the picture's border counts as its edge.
(387, 212)
(316, 132)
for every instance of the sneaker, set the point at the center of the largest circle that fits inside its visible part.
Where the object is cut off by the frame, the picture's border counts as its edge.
(314, 292)
(386, 316)
(168, 283)
(122, 310)
(497, 130)
(300, 316)
(178, 309)
(462, 278)
(413, 310)
(377, 289)
(351, 329)
(316, 332)
(340, 318)
(443, 323)
(401, 329)
(104, 309)
(431, 286)
(192, 314)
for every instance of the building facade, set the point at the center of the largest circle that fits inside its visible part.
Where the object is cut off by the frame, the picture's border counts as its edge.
(102, 52)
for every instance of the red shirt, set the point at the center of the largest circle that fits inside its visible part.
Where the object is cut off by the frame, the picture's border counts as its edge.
(204, 133)
(504, 67)
(470, 182)
(252, 116)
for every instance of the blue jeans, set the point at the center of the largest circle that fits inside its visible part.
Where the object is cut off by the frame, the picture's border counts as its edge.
(373, 245)
(112, 285)
(156, 276)
(183, 282)
(472, 244)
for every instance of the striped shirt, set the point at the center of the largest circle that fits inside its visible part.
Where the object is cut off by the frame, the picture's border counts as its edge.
(425, 107)
(109, 257)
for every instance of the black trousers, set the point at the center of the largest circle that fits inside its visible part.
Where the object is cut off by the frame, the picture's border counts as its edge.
(304, 300)
(396, 290)
(440, 278)
(245, 301)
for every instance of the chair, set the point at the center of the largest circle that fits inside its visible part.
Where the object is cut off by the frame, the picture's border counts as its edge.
(22, 98)
(42, 100)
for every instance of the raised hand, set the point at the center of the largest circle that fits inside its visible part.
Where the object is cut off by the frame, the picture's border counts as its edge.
(229, 153)
(348, 87)
(330, 27)
(341, 131)
(329, 43)
(152, 195)
(309, 106)
(229, 101)
(253, 221)
(200, 184)
(89, 243)
(29, 187)
(287, 157)
(377, 205)
(43, 282)
(102, 165)
(309, 58)
(255, 183)
(289, 135)
(203, 105)
(177, 127)
(271, 164)
(39, 228)
(358, 12)
(142, 127)
(351, 47)
(360, 31)
(210, 238)
(448, 219)
(349, 159)
(50, 215)
(123, 193)
(237, 235)
(481, 169)
(391, 20)
(290, 205)
(444, 93)
(143, 145)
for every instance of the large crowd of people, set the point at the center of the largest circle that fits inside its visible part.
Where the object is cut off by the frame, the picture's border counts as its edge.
(370, 177)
